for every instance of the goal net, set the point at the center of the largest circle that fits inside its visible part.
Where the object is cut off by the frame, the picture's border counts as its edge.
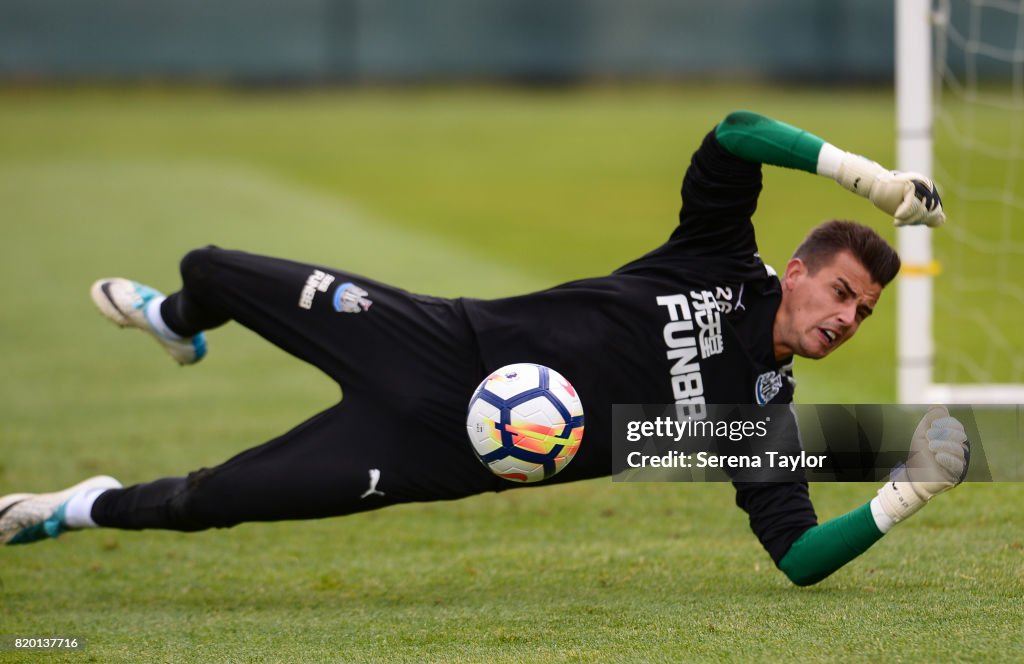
(962, 294)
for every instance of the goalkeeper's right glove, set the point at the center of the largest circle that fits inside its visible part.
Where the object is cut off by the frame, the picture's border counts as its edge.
(938, 461)
(910, 198)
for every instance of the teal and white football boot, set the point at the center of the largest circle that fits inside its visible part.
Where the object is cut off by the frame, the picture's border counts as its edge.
(29, 517)
(128, 303)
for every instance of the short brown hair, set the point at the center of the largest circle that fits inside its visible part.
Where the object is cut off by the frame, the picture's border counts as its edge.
(831, 237)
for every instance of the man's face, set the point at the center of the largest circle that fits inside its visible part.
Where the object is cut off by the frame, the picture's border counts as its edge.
(820, 312)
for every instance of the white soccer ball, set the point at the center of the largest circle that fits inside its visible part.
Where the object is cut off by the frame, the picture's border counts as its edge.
(525, 422)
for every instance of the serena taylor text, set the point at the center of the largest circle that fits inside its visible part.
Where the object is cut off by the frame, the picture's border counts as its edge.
(711, 460)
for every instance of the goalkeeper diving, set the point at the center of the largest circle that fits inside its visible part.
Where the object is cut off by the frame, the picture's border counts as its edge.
(408, 363)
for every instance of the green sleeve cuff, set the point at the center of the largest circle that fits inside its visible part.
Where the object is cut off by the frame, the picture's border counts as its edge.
(759, 139)
(826, 547)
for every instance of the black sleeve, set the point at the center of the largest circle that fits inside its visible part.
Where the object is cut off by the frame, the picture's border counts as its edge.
(719, 193)
(779, 513)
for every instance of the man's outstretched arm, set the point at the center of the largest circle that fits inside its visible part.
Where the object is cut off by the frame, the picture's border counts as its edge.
(938, 461)
(910, 198)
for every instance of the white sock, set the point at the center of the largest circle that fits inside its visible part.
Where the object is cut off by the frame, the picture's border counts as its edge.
(157, 320)
(78, 511)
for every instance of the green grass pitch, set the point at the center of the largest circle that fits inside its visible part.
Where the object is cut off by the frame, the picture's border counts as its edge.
(475, 192)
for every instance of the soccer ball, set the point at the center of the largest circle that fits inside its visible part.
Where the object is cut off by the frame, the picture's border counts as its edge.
(525, 422)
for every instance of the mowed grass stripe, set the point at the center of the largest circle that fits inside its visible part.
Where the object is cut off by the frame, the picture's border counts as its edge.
(117, 213)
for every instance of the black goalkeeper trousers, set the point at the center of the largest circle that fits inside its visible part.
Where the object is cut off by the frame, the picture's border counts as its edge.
(407, 365)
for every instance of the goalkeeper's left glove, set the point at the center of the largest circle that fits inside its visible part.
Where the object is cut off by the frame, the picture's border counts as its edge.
(910, 198)
(938, 461)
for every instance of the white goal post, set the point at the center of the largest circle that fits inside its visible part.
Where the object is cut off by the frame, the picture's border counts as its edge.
(914, 124)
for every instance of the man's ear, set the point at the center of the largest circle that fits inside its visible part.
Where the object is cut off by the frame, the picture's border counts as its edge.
(795, 269)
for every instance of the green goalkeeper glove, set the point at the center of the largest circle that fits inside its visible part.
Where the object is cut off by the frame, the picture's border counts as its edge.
(938, 461)
(910, 198)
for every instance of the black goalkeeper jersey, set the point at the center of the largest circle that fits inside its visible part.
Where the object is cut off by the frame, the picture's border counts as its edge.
(688, 323)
